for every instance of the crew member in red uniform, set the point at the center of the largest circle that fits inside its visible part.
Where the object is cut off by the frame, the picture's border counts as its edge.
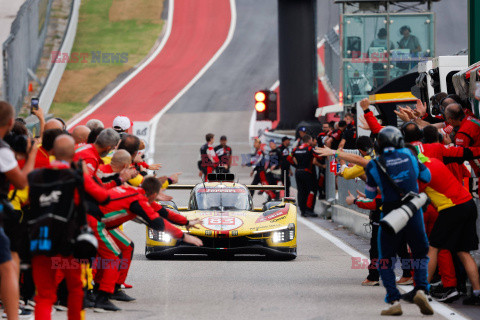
(93, 153)
(303, 158)
(42, 159)
(468, 134)
(127, 203)
(455, 227)
(453, 157)
(45, 277)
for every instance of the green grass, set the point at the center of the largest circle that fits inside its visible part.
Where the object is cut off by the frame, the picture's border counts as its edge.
(68, 109)
(95, 32)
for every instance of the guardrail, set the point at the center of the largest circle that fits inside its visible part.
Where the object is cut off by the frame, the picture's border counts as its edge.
(47, 93)
(23, 49)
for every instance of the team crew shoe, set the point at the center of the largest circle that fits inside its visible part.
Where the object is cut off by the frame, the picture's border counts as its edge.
(370, 283)
(103, 304)
(421, 300)
(405, 281)
(445, 294)
(120, 295)
(126, 286)
(473, 300)
(395, 309)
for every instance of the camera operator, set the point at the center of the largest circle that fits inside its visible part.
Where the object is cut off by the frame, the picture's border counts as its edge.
(10, 173)
(404, 169)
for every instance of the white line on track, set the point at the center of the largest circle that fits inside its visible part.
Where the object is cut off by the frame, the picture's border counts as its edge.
(154, 121)
(439, 308)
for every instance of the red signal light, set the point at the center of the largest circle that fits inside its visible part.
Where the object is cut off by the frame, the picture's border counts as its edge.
(260, 97)
(260, 106)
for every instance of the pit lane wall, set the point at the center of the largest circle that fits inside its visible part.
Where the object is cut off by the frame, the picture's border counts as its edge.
(335, 207)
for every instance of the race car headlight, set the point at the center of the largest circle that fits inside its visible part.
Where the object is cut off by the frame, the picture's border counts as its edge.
(283, 235)
(159, 236)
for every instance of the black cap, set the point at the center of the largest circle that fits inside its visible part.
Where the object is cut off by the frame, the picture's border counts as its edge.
(285, 138)
(223, 138)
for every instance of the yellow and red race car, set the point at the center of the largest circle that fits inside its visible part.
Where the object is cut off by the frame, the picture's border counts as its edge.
(230, 223)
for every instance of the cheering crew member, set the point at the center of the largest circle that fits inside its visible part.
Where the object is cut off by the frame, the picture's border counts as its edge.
(257, 161)
(44, 276)
(302, 158)
(126, 203)
(93, 153)
(468, 134)
(208, 158)
(455, 227)
(336, 137)
(224, 154)
(284, 164)
(324, 135)
(405, 170)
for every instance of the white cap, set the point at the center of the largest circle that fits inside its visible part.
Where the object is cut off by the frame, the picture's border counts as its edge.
(121, 122)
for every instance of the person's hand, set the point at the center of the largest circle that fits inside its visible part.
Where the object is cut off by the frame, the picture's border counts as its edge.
(447, 139)
(343, 162)
(164, 197)
(290, 173)
(365, 104)
(251, 174)
(174, 177)
(38, 113)
(154, 166)
(361, 194)
(350, 198)
(363, 123)
(325, 151)
(32, 153)
(128, 173)
(421, 108)
(192, 240)
(402, 114)
(200, 174)
(410, 112)
(162, 179)
(193, 224)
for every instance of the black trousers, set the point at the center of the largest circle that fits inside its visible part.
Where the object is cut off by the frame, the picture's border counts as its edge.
(286, 182)
(306, 183)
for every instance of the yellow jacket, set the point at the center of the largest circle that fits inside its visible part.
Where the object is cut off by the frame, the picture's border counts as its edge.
(355, 171)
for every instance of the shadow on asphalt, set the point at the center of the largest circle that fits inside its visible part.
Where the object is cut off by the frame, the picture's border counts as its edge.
(204, 257)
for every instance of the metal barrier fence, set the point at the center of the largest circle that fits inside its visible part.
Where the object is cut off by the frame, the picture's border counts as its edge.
(337, 188)
(23, 49)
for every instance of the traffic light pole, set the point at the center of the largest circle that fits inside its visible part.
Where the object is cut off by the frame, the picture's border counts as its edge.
(473, 38)
(297, 62)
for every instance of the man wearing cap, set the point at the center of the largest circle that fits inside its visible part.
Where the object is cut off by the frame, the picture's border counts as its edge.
(302, 131)
(224, 154)
(121, 124)
(284, 164)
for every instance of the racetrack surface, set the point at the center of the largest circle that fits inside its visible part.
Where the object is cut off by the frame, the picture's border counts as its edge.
(199, 29)
(319, 284)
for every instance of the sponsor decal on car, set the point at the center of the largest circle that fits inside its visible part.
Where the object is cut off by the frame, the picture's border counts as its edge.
(274, 215)
(217, 223)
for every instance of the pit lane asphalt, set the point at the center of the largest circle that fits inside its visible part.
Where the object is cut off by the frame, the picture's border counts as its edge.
(319, 284)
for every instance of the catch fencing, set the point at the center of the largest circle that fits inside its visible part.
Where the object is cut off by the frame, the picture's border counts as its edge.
(23, 49)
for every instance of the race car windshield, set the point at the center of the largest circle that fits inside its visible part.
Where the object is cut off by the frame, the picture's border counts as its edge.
(223, 200)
